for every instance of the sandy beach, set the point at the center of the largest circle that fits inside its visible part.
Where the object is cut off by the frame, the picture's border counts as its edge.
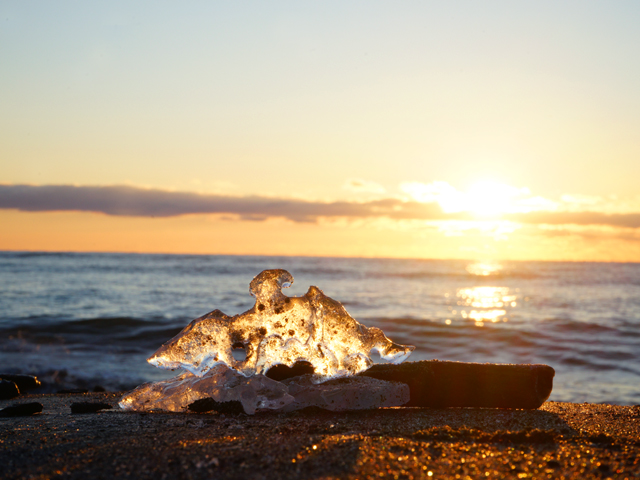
(559, 440)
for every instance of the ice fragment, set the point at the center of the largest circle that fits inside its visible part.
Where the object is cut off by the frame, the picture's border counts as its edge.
(279, 330)
(223, 386)
(342, 394)
(220, 383)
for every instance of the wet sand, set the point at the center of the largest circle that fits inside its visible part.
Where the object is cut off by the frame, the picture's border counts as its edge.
(559, 440)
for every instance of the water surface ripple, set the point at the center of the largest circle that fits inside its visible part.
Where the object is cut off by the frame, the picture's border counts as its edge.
(94, 318)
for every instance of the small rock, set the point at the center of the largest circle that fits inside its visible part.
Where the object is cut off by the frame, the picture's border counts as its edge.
(24, 382)
(89, 407)
(282, 372)
(21, 410)
(73, 390)
(8, 389)
(209, 404)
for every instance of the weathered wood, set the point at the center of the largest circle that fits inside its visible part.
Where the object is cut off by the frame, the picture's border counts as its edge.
(439, 384)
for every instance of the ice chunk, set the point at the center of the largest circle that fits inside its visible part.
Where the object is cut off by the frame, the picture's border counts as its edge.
(258, 392)
(342, 394)
(279, 330)
(220, 383)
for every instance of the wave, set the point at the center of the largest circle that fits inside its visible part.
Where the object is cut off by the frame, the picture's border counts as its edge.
(102, 331)
(566, 345)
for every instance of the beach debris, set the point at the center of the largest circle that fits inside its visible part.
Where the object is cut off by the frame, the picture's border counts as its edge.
(89, 407)
(221, 383)
(279, 330)
(21, 409)
(347, 393)
(440, 384)
(8, 389)
(24, 382)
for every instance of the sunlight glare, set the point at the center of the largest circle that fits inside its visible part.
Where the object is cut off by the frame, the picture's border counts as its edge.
(485, 198)
(484, 269)
(489, 304)
(488, 198)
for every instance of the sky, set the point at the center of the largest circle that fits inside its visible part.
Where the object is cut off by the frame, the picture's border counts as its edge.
(480, 130)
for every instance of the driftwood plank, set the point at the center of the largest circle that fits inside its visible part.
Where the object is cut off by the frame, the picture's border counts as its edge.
(439, 384)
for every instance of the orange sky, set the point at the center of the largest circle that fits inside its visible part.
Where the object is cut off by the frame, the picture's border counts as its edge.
(478, 131)
(214, 234)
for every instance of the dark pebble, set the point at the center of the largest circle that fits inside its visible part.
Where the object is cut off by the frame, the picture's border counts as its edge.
(24, 382)
(73, 390)
(21, 410)
(8, 389)
(89, 407)
(601, 439)
(209, 404)
(282, 372)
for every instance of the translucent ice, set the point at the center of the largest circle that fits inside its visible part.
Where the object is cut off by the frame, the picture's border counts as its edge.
(279, 330)
(220, 383)
(259, 392)
(342, 394)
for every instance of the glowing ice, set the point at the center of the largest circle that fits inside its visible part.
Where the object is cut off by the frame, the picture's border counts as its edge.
(220, 383)
(279, 330)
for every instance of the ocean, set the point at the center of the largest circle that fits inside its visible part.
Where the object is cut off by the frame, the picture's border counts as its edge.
(90, 320)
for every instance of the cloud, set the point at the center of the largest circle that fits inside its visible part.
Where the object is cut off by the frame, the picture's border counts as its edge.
(437, 191)
(363, 186)
(625, 220)
(133, 201)
(587, 232)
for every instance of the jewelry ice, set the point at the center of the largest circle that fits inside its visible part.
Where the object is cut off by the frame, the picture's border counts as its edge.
(313, 330)
(280, 330)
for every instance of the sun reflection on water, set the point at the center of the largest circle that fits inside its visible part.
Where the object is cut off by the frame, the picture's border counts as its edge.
(484, 269)
(488, 304)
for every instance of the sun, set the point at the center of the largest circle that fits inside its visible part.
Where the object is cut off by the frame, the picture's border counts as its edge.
(483, 199)
(488, 198)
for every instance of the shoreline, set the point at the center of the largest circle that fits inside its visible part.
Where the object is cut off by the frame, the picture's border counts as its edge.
(558, 440)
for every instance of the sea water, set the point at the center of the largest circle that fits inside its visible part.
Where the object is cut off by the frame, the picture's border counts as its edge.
(80, 320)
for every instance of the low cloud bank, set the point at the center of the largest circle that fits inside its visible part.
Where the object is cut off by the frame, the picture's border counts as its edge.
(132, 201)
(138, 202)
(625, 220)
